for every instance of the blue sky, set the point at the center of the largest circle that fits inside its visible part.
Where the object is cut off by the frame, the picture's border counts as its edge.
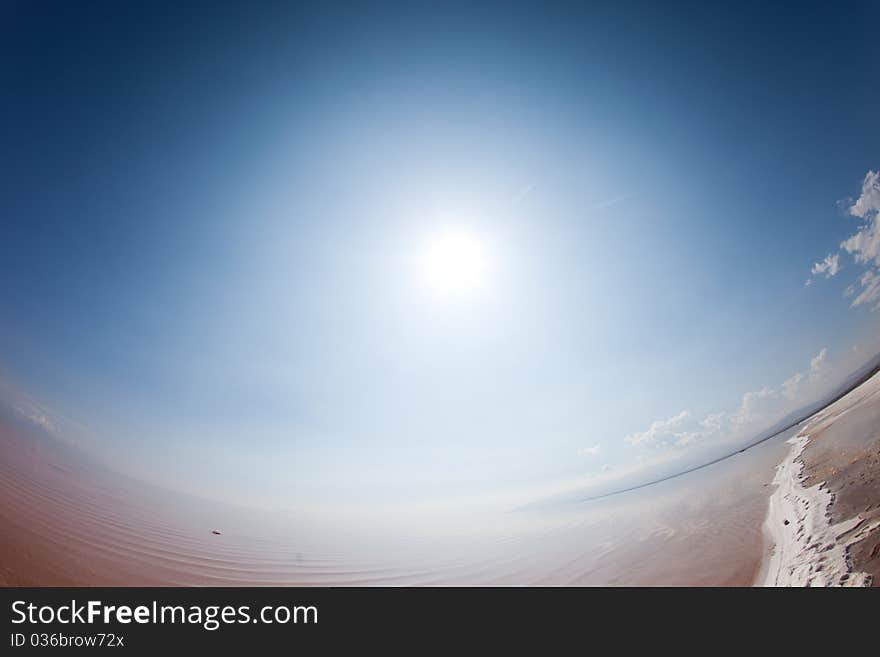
(212, 223)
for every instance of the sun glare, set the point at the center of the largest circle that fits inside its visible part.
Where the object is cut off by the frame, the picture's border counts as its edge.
(454, 264)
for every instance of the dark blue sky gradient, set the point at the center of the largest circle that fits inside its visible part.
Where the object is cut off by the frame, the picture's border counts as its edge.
(193, 194)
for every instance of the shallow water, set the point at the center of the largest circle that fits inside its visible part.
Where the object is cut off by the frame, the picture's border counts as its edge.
(68, 521)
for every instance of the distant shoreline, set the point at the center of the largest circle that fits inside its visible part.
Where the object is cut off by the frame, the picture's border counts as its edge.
(815, 520)
(855, 381)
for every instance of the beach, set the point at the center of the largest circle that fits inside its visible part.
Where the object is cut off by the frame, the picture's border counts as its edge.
(69, 521)
(823, 521)
(798, 509)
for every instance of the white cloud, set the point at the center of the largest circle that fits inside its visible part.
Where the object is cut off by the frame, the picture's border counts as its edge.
(791, 386)
(870, 282)
(660, 432)
(829, 266)
(799, 386)
(869, 201)
(36, 415)
(590, 451)
(863, 245)
(818, 361)
(687, 438)
(681, 430)
(712, 423)
(757, 411)
(755, 405)
(606, 467)
(708, 427)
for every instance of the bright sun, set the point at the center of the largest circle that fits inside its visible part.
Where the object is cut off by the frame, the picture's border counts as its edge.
(454, 263)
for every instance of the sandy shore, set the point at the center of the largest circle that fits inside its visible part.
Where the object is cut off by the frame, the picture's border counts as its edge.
(70, 522)
(823, 520)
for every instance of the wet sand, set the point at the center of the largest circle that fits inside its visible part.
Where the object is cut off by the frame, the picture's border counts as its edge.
(843, 454)
(69, 521)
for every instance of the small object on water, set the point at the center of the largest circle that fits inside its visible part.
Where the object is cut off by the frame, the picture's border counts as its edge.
(217, 532)
(785, 522)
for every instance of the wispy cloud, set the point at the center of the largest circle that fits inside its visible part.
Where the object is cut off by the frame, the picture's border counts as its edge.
(863, 246)
(26, 408)
(595, 450)
(870, 282)
(37, 416)
(829, 266)
(757, 410)
(601, 205)
(869, 200)
(818, 361)
(660, 433)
